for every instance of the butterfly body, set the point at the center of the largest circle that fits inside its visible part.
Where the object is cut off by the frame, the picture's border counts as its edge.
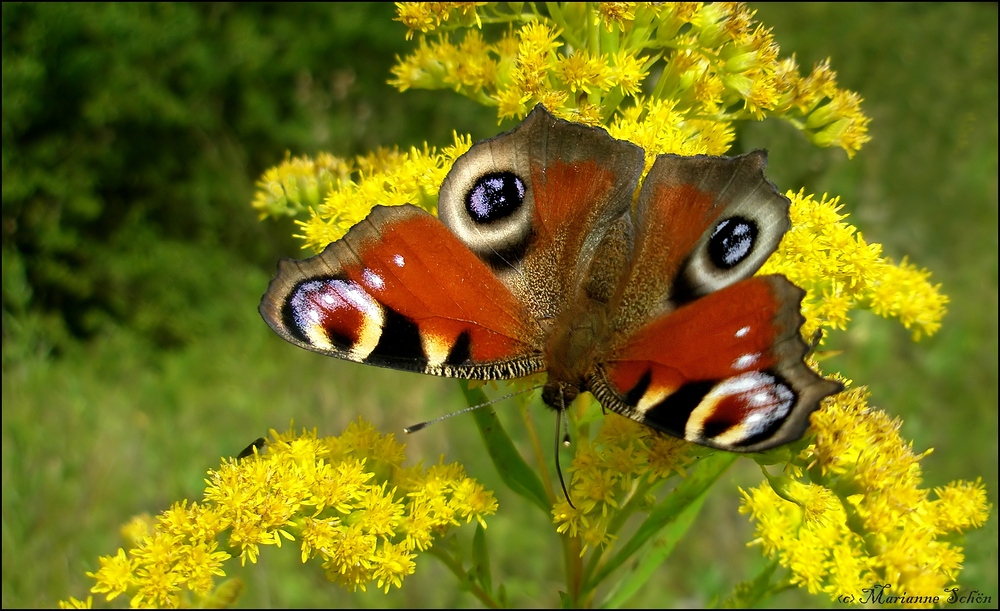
(549, 256)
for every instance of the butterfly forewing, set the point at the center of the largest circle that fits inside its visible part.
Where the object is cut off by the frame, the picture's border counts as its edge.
(682, 202)
(400, 291)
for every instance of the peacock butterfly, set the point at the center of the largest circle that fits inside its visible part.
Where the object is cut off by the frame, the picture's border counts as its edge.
(548, 256)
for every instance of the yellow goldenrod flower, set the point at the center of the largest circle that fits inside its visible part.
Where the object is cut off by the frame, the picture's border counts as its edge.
(713, 63)
(855, 514)
(75, 603)
(840, 271)
(581, 71)
(622, 463)
(613, 14)
(394, 562)
(115, 575)
(347, 500)
(428, 16)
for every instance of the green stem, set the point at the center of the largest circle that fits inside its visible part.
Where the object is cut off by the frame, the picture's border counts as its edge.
(697, 483)
(593, 33)
(556, 14)
(464, 578)
(536, 445)
(597, 561)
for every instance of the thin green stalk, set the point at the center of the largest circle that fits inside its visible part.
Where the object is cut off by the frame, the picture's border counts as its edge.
(463, 576)
(697, 483)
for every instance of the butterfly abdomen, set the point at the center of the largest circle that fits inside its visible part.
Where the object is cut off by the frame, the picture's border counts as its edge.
(571, 350)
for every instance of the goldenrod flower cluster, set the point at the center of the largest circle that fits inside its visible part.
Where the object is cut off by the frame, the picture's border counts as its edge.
(612, 476)
(840, 271)
(710, 62)
(674, 78)
(851, 513)
(714, 67)
(339, 193)
(298, 184)
(347, 500)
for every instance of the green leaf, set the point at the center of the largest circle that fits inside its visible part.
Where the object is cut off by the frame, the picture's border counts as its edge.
(514, 471)
(697, 482)
(502, 597)
(658, 550)
(481, 559)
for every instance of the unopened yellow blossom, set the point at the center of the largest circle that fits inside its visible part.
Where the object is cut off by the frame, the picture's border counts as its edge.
(138, 527)
(386, 177)
(298, 184)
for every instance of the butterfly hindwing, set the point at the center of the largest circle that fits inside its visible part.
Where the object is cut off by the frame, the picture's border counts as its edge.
(401, 291)
(704, 351)
(723, 376)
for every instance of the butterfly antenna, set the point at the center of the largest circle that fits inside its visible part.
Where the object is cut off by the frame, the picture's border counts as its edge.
(816, 339)
(565, 418)
(422, 425)
(561, 440)
(254, 448)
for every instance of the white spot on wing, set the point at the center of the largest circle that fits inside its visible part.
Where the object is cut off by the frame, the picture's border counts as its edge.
(746, 361)
(436, 347)
(398, 260)
(372, 279)
(652, 396)
(742, 331)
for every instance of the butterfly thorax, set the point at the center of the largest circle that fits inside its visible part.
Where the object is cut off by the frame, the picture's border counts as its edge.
(571, 351)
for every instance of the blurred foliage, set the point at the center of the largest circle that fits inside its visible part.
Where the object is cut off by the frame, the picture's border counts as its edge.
(131, 133)
(131, 136)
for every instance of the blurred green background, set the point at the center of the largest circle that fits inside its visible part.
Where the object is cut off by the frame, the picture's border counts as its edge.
(133, 355)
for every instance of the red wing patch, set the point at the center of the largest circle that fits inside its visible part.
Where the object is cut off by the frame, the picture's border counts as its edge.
(718, 336)
(400, 290)
(725, 370)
